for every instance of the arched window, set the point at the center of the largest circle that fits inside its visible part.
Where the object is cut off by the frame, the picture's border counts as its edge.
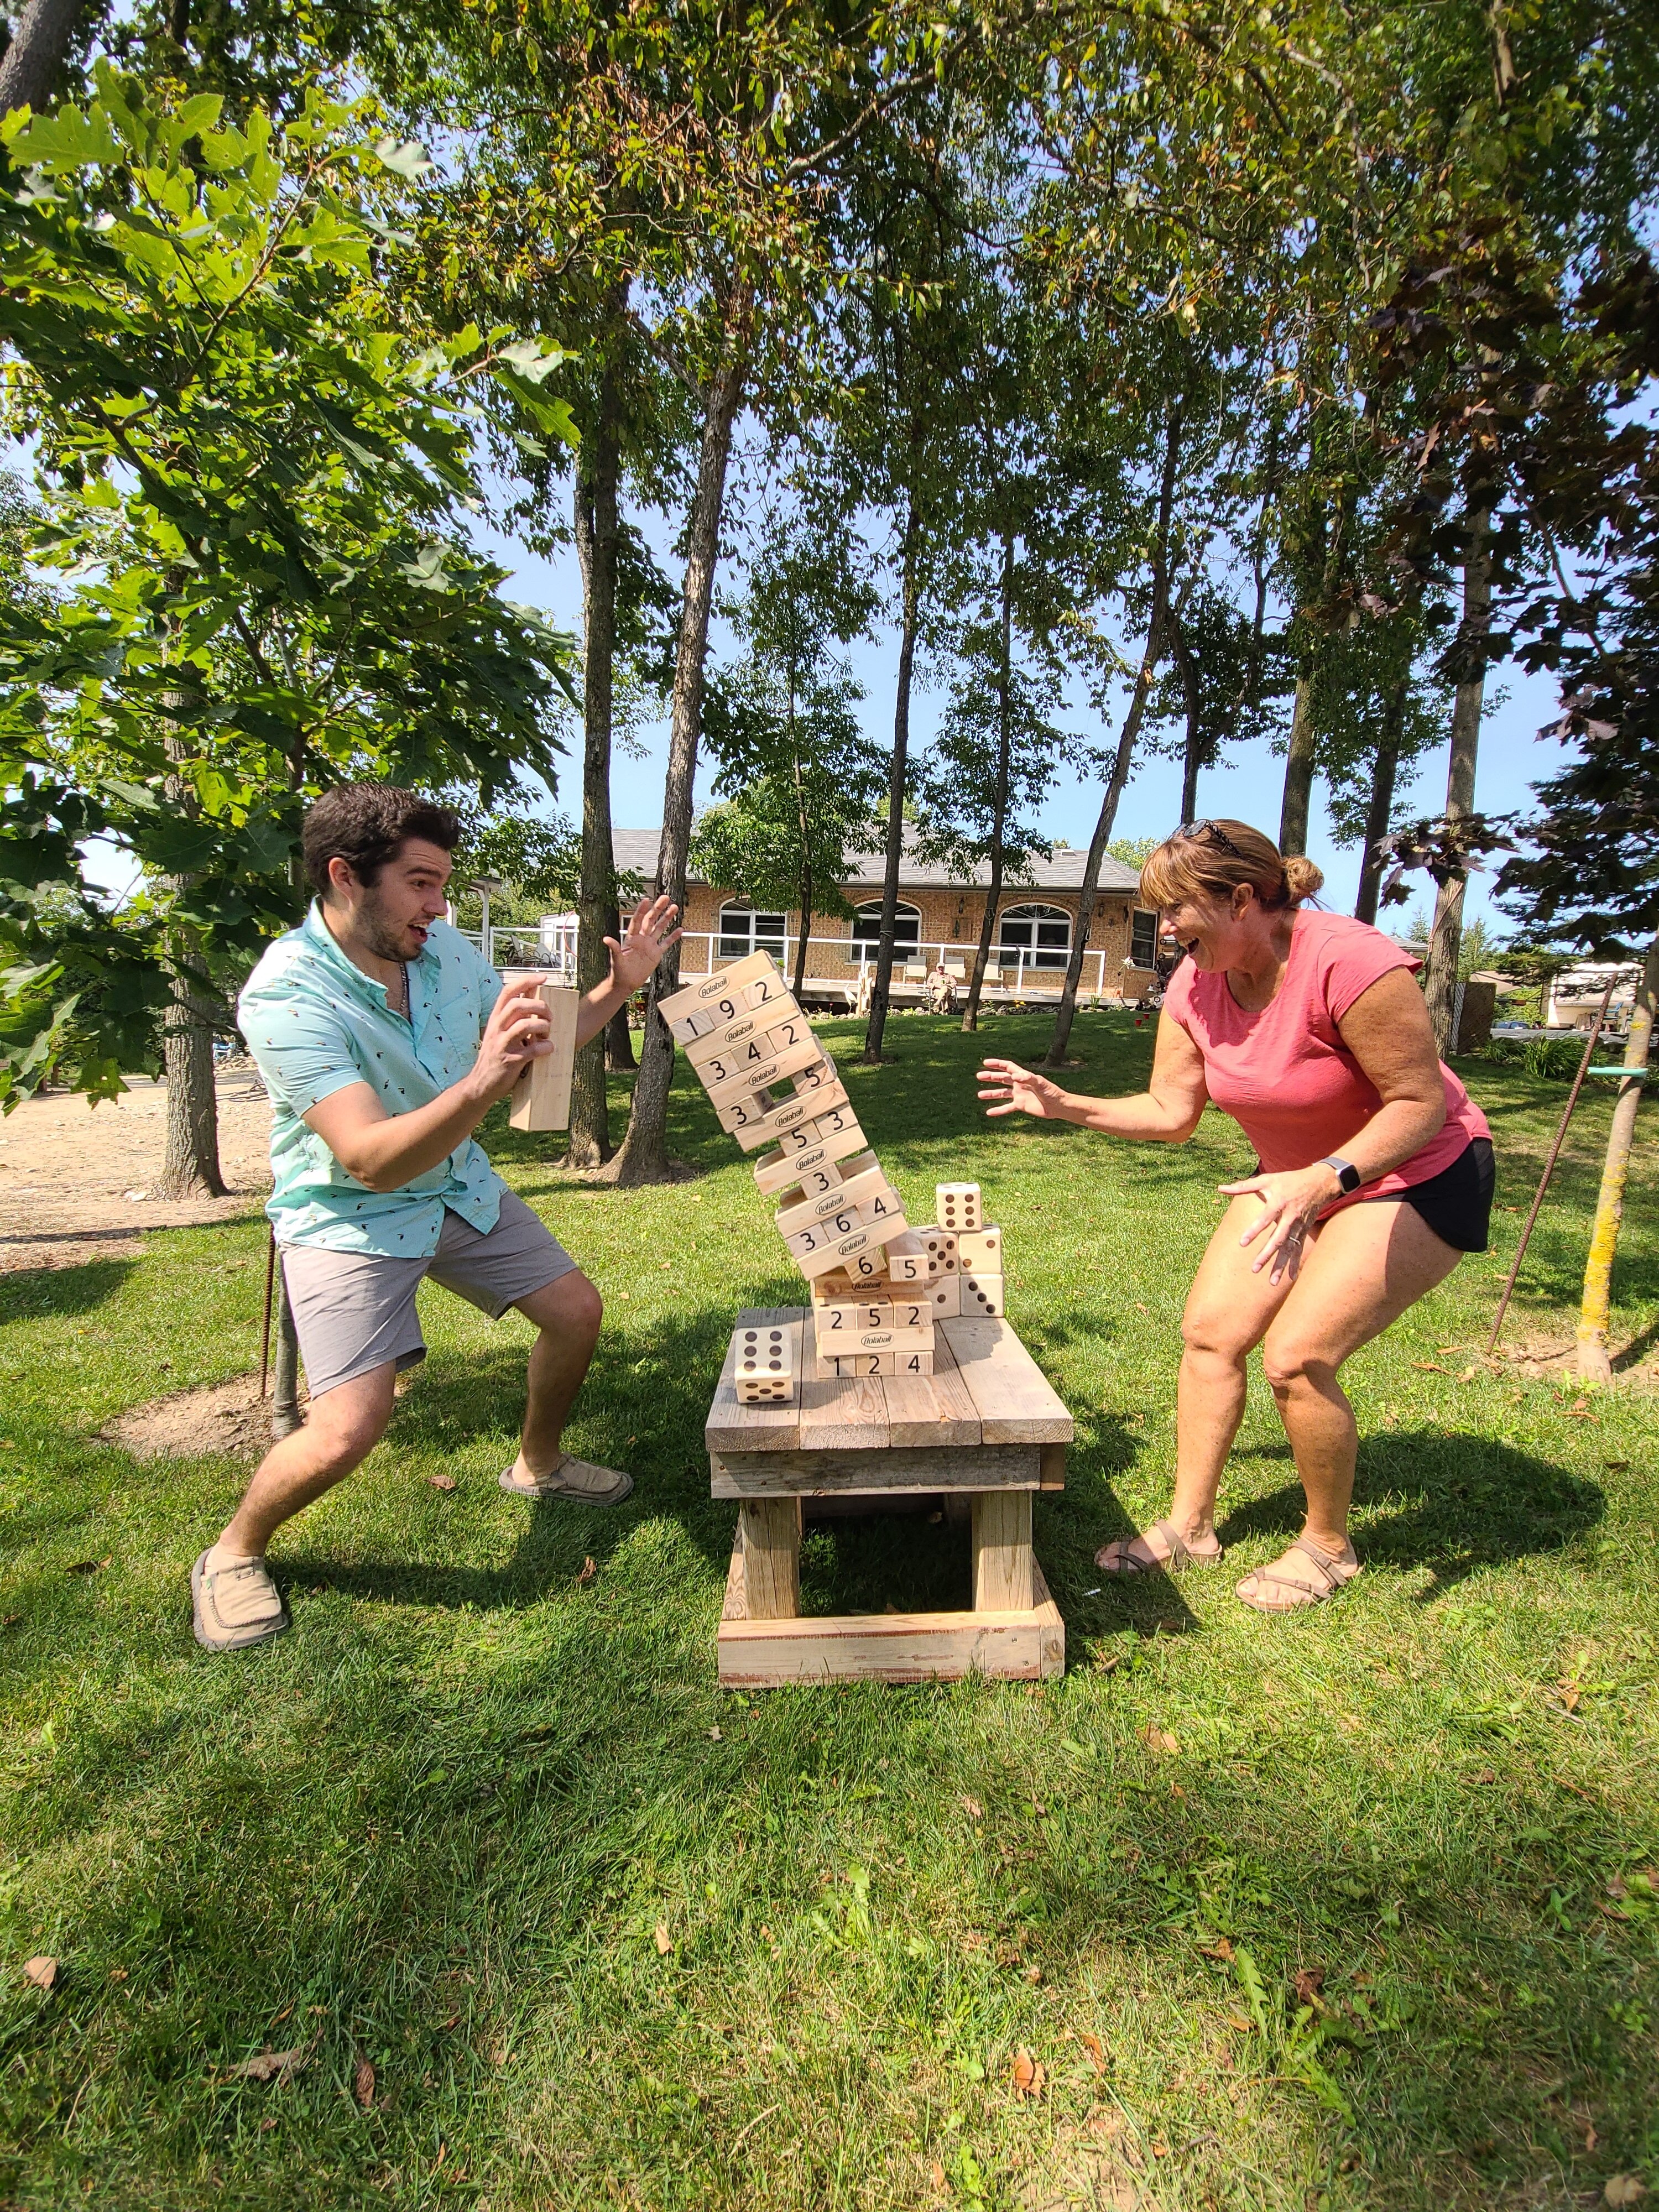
(742, 932)
(867, 932)
(1043, 934)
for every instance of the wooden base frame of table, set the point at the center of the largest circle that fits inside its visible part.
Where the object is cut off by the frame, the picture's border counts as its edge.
(762, 1646)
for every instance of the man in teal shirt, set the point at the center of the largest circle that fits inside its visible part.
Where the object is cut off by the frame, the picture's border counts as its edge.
(383, 1039)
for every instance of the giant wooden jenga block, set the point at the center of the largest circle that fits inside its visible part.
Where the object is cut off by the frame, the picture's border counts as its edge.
(540, 1099)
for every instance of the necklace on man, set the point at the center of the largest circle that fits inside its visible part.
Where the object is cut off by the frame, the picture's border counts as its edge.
(403, 978)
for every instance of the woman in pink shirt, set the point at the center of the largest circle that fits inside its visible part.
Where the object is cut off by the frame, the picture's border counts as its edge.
(1374, 1176)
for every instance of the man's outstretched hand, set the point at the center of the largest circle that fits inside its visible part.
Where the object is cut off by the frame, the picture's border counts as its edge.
(649, 933)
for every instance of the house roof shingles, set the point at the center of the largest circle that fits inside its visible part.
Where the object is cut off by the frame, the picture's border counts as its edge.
(636, 852)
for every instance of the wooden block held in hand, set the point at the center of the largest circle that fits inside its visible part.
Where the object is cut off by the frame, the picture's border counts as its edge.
(958, 1205)
(765, 1373)
(980, 1251)
(725, 983)
(540, 1099)
(981, 1295)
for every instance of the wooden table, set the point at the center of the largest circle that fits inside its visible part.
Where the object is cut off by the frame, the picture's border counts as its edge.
(985, 1422)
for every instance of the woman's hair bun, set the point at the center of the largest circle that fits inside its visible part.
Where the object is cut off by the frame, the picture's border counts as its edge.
(1301, 876)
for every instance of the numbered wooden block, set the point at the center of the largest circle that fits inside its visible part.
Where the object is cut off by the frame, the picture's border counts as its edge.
(982, 1296)
(868, 1269)
(819, 1076)
(765, 1375)
(698, 1023)
(912, 1363)
(849, 1364)
(909, 1260)
(814, 1111)
(815, 1236)
(540, 1099)
(724, 1039)
(801, 1150)
(910, 1307)
(820, 1182)
(889, 1340)
(980, 1251)
(863, 1244)
(746, 1112)
(865, 1188)
(958, 1205)
(709, 991)
(945, 1297)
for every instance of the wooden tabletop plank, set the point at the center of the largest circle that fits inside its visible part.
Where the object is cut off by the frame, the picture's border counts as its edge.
(1014, 1401)
(932, 1409)
(733, 1427)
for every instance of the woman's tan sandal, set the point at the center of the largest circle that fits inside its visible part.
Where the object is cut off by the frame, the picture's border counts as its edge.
(578, 1480)
(1180, 1554)
(1333, 1575)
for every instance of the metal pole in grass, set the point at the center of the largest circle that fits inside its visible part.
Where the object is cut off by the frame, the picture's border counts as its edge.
(1549, 1164)
(265, 1333)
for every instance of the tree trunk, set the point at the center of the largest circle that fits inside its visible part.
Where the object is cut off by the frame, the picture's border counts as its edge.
(1298, 767)
(897, 777)
(1440, 983)
(596, 543)
(1190, 761)
(1594, 1364)
(190, 1166)
(1380, 809)
(644, 1155)
(1065, 1012)
(33, 60)
(1000, 796)
(804, 889)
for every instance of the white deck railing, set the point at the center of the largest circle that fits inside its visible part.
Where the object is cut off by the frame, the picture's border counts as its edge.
(1011, 973)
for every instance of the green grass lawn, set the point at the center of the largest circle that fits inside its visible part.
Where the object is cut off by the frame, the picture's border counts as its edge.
(448, 1826)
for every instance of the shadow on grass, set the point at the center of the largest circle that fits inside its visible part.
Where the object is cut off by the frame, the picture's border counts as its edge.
(27, 1292)
(1451, 1503)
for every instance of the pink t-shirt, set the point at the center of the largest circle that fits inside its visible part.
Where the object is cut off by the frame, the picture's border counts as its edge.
(1284, 1072)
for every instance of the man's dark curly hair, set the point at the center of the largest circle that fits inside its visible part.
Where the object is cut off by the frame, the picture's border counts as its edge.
(364, 824)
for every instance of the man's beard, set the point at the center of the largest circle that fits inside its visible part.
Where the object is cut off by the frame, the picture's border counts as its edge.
(380, 935)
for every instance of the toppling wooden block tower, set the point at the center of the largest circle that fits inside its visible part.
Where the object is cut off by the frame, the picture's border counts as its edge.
(877, 1285)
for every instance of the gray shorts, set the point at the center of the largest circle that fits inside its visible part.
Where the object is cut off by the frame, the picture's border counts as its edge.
(354, 1311)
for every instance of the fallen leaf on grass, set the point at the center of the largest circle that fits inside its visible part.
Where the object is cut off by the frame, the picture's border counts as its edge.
(1159, 1739)
(1624, 2188)
(588, 1571)
(1096, 2050)
(442, 1481)
(1615, 1466)
(665, 1941)
(936, 2175)
(1431, 1367)
(1029, 2079)
(284, 2013)
(1468, 1373)
(1232, 2020)
(1308, 1984)
(10, 1619)
(973, 1808)
(1580, 1411)
(269, 2065)
(1221, 1949)
(714, 1735)
(41, 1972)
(89, 1566)
(362, 2083)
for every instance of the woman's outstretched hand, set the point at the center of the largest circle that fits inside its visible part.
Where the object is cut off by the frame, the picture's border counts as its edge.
(1014, 1089)
(1290, 1205)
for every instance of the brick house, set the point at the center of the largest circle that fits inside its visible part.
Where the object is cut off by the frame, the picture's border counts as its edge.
(939, 916)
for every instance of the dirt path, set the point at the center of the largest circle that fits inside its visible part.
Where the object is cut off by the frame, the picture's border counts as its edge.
(75, 1179)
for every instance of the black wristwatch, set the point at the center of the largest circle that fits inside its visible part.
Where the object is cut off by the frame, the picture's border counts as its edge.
(1346, 1173)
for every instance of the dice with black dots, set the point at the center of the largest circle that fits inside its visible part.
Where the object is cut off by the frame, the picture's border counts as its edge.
(982, 1296)
(958, 1207)
(765, 1372)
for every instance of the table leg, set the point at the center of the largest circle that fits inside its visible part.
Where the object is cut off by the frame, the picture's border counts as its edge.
(1002, 1551)
(771, 1557)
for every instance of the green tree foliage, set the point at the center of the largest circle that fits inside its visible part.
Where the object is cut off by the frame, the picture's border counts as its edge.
(258, 580)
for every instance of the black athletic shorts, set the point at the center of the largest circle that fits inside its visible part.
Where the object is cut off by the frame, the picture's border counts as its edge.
(1457, 1202)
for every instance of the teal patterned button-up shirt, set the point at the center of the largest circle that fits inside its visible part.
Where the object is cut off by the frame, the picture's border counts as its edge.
(314, 1023)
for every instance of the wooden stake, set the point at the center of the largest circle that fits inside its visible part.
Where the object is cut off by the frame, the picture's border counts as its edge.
(1549, 1165)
